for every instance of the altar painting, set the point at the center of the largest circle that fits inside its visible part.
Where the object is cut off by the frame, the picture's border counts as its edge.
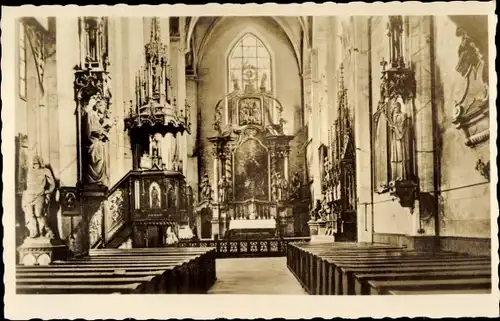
(251, 177)
(250, 111)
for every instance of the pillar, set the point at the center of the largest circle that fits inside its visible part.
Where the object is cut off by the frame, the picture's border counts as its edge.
(118, 37)
(67, 55)
(215, 187)
(192, 160)
(362, 123)
(319, 96)
(420, 55)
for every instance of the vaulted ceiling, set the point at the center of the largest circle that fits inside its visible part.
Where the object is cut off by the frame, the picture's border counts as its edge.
(296, 29)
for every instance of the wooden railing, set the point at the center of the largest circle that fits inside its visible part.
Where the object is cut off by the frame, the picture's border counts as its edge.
(274, 247)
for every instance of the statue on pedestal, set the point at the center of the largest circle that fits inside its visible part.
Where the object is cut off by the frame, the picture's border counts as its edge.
(314, 212)
(40, 186)
(98, 126)
(399, 143)
(41, 247)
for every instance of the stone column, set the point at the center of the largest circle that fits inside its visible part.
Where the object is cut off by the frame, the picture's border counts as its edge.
(362, 124)
(420, 54)
(215, 187)
(119, 47)
(286, 153)
(216, 173)
(319, 96)
(192, 159)
(67, 55)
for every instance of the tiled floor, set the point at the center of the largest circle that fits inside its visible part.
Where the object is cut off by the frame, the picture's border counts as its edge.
(255, 276)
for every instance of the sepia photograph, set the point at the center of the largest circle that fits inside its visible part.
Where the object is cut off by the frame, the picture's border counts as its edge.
(325, 154)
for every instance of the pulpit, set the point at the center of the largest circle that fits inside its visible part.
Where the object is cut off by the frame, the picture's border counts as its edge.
(160, 200)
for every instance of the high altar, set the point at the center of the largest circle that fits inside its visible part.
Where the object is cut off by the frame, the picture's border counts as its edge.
(251, 184)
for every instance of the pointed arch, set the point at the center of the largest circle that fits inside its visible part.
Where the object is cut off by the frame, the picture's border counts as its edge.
(294, 40)
(249, 61)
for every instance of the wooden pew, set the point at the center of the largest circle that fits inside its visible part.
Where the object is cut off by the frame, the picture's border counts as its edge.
(124, 271)
(79, 289)
(306, 268)
(362, 279)
(163, 275)
(382, 287)
(207, 265)
(330, 268)
(344, 281)
(438, 291)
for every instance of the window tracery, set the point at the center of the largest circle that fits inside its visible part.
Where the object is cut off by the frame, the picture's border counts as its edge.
(249, 64)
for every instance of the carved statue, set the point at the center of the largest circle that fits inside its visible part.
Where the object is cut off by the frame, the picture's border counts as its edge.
(325, 210)
(171, 238)
(276, 186)
(236, 84)
(155, 147)
(155, 198)
(40, 185)
(206, 190)
(98, 126)
(313, 213)
(295, 186)
(222, 189)
(399, 143)
(469, 58)
(263, 81)
(283, 185)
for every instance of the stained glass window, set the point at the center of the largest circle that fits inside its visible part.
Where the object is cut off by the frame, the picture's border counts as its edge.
(249, 64)
(22, 62)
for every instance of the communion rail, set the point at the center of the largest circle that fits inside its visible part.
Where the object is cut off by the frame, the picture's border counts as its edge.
(273, 247)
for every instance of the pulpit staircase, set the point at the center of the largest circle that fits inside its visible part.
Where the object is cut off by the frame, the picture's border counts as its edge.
(138, 202)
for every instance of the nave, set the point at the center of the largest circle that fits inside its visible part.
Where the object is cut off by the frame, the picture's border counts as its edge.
(321, 269)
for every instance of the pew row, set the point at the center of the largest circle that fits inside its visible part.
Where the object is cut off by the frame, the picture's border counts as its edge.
(123, 271)
(368, 269)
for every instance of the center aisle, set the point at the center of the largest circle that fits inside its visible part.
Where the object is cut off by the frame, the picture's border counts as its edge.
(254, 276)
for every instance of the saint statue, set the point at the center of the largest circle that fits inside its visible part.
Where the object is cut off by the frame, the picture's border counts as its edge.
(295, 186)
(313, 213)
(98, 126)
(206, 190)
(222, 189)
(171, 238)
(399, 143)
(40, 185)
(155, 198)
(283, 185)
(276, 186)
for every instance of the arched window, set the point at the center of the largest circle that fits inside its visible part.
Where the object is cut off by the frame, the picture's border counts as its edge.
(249, 64)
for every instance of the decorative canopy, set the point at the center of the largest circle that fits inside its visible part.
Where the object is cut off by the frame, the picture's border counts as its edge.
(156, 109)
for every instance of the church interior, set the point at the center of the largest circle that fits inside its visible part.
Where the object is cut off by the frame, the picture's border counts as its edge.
(323, 139)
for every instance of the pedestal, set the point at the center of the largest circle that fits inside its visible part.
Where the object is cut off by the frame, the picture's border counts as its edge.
(215, 229)
(317, 230)
(313, 228)
(42, 251)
